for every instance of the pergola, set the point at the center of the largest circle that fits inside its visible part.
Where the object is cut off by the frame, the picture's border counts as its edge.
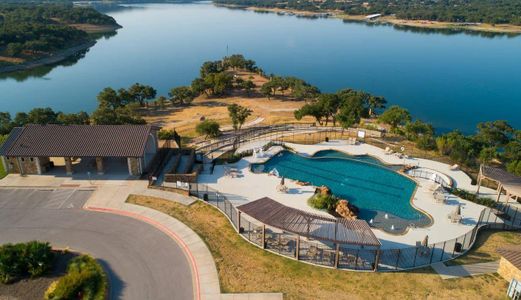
(312, 226)
(507, 182)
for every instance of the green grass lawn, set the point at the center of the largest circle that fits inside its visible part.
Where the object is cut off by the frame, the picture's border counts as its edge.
(484, 249)
(2, 171)
(245, 268)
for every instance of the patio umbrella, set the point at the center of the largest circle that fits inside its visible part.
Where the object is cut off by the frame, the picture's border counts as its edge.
(282, 181)
(425, 242)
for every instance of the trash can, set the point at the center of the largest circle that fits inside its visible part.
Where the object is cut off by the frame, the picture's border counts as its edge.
(327, 139)
(205, 197)
(458, 247)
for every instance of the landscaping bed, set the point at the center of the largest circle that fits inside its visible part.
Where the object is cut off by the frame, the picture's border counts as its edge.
(34, 288)
(33, 270)
(245, 268)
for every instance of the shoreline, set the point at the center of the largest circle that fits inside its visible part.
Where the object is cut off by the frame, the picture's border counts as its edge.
(64, 54)
(390, 20)
(48, 60)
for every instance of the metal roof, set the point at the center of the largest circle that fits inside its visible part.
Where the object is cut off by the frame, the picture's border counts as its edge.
(512, 254)
(337, 230)
(77, 141)
(510, 182)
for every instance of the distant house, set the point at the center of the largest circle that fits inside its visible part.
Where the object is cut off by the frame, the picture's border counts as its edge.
(373, 16)
(38, 149)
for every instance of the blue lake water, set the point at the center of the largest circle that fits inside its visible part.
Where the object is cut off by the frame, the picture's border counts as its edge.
(370, 186)
(451, 80)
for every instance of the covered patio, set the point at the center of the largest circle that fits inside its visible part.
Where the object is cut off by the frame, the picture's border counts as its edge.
(507, 183)
(83, 149)
(333, 242)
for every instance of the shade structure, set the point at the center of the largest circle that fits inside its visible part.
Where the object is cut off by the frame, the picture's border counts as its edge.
(337, 230)
(509, 182)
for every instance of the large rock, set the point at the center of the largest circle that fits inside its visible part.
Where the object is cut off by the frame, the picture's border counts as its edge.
(346, 210)
(323, 190)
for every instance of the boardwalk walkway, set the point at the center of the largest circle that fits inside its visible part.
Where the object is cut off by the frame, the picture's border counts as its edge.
(449, 272)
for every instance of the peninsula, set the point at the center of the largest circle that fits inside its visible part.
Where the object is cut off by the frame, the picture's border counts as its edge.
(33, 35)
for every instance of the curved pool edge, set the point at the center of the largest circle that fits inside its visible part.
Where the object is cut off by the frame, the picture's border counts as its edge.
(383, 165)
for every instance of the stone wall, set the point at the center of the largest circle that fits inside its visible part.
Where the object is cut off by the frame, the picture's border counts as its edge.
(508, 271)
(30, 165)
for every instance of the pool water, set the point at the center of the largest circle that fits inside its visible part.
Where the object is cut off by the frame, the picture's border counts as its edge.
(362, 180)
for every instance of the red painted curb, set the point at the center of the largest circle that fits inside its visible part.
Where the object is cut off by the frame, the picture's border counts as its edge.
(165, 230)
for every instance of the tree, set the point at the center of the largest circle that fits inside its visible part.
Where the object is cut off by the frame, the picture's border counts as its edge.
(375, 102)
(199, 86)
(5, 123)
(110, 98)
(248, 86)
(211, 67)
(486, 155)
(329, 103)
(41, 116)
(395, 116)
(350, 113)
(267, 90)
(218, 83)
(311, 109)
(161, 102)
(238, 114)
(140, 93)
(81, 118)
(496, 133)
(417, 129)
(20, 119)
(181, 95)
(514, 167)
(106, 115)
(208, 128)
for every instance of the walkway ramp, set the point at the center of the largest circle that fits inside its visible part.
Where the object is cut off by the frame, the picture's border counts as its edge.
(449, 272)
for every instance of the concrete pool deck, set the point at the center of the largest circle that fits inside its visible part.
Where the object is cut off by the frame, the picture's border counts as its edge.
(250, 186)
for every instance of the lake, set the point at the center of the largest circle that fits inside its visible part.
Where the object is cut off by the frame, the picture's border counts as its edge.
(451, 80)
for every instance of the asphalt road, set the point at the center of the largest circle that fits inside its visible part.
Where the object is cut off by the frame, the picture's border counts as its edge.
(141, 261)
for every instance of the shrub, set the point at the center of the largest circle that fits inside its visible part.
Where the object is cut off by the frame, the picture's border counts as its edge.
(473, 198)
(85, 279)
(209, 128)
(322, 201)
(24, 259)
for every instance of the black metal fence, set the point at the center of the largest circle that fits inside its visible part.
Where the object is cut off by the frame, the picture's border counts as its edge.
(353, 257)
(308, 132)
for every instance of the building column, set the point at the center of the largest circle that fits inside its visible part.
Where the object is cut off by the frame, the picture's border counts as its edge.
(499, 190)
(99, 165)
(38, 166)
(68, 165)
(20, 166)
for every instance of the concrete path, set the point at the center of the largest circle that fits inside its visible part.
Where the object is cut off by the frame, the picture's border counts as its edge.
(449, 272)
(141, 262)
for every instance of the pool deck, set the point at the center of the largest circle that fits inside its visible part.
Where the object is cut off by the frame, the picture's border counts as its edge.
(250, 186)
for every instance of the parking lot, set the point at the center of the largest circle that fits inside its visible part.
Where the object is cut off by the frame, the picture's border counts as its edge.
(141, 261)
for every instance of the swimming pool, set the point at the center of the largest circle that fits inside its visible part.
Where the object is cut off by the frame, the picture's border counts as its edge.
(374, 188)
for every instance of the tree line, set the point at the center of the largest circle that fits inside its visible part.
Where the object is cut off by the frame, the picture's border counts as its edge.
(29, 29)
(495, 141)
(482, 11)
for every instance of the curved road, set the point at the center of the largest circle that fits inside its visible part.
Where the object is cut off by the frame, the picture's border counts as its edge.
(141, 261)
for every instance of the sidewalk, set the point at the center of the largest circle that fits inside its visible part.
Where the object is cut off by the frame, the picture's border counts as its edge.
(111, 199)
(449, 272)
